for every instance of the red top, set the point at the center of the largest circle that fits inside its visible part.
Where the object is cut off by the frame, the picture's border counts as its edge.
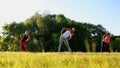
(107, 39)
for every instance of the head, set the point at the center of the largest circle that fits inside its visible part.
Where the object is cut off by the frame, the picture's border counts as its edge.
(108, 34)
(111, 35)
(73, 29)
(26, 32)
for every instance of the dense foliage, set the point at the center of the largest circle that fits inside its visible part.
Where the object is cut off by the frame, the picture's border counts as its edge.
(45, 31)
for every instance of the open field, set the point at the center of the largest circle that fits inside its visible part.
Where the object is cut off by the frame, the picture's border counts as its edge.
(59, 60)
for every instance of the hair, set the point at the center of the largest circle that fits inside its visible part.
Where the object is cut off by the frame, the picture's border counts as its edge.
(107, 33)
(26, 31)
(73, 28)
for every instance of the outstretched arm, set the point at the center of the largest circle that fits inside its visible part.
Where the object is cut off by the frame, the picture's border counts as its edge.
(62, 30)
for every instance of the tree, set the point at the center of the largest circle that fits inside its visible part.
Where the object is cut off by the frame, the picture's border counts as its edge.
(45, 32)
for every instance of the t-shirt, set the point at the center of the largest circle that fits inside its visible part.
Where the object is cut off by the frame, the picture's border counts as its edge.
(66, 34)
(24, 37)
(107, 39)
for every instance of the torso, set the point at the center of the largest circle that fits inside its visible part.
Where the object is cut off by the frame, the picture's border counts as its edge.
(107, 39)
(24, 37)
(66, 34)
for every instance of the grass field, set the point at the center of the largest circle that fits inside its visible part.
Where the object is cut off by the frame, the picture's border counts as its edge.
(59, 60)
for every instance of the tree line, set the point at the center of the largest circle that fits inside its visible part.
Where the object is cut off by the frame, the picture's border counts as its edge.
(45, 31)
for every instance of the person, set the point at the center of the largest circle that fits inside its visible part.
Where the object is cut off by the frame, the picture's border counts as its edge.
(24, 38)
(106, 41)
(65, 36)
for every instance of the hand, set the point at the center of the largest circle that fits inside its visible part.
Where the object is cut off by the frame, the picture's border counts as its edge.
(28, 40)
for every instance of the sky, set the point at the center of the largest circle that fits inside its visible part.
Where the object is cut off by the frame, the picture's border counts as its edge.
(104, 12)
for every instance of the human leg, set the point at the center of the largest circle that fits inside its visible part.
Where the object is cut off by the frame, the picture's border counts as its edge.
(25, 46)
(21, 46)
(67, 44)
(60, 43)
(103, 47)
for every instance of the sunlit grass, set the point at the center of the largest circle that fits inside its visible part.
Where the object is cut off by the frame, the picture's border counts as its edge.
(59, 60)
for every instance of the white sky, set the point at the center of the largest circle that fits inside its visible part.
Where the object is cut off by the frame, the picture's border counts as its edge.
(104, 12)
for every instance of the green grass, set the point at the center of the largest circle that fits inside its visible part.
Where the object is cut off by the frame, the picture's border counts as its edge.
(59, 60)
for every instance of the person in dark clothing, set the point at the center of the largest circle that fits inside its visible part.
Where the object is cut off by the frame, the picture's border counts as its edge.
(24, 38)
(106, 41)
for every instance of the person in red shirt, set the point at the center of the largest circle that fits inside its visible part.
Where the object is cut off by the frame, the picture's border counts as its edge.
(106, 41)
(24, 38)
